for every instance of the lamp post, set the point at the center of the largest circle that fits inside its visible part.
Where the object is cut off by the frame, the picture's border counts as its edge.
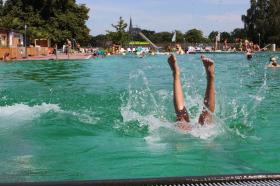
(25, 40)
(259, 39)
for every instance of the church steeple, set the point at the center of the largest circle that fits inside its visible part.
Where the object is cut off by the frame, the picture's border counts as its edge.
(130, 29)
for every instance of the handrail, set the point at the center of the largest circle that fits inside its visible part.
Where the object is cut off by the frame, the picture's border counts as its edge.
(242, 179)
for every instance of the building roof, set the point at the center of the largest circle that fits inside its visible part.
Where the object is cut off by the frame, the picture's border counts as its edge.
(133, 30)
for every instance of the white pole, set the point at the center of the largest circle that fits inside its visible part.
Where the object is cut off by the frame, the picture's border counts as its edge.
(56, 52)
(25, 40)
(273, 47)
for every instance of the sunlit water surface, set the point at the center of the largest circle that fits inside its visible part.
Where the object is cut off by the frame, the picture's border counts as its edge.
(114, 118)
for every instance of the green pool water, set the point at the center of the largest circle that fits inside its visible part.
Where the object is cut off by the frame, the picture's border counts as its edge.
(113, 118)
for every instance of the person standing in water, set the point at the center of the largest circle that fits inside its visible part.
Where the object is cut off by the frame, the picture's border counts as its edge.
(273, 63)
(178, 96)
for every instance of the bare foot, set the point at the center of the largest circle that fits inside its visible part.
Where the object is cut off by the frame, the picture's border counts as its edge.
(172, 61)
(209, 66)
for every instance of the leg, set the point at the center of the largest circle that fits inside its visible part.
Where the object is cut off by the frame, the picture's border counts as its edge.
(209, 99)
(178, 96)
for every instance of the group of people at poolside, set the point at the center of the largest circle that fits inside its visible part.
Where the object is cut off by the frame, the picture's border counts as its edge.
(247, 46)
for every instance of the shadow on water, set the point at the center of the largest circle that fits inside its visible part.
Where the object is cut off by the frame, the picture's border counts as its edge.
(49, 72)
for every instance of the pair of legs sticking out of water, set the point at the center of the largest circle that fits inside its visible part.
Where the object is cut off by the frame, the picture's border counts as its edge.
(178, 96)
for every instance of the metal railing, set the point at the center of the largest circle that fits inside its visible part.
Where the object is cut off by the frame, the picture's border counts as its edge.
(227, 180)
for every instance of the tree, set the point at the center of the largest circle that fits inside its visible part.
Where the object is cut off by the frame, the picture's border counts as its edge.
(120, 26)
(263, 19)
(99, 40)
(226, 36)
(1, 7)
(212, 35)
(238, 33)
(148, 33)
(250, 19)
(194, 36)
(162, 37)
(120, 37)
(53, 19)
(179, 36)
(273, 22)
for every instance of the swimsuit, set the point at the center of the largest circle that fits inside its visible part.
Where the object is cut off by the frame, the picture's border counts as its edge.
(182, 115)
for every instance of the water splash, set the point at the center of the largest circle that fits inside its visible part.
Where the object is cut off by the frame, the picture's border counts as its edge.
(154, 108)
(26, 112)
(14, 115)
(241, 115)
(85, 117)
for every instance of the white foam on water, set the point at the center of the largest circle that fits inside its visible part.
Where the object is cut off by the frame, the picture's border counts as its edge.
(17, 114)
(86, 117)
(154, 139)
(141, 100)
(207, 131)
(25, 112)
(151, 121)
(12, 116)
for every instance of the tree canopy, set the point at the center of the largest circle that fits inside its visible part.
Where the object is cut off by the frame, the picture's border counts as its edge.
(120, 36)
(53, 19)
(263, 17)
(194, 36)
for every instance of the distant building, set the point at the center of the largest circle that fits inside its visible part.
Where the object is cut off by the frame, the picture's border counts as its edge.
(133, 30)
(42, 43)
(10, 38)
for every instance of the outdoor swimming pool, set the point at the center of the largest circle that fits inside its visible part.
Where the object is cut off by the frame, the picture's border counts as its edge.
(113, 118)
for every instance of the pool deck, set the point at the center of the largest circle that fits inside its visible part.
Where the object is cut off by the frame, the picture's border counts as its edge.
(77, 56)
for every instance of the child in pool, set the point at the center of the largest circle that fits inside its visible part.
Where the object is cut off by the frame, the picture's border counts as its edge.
(178, 96)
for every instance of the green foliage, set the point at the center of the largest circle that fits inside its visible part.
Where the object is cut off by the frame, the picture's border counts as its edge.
(120, 26)
(226, 36)
(194, 36)
(120, 36)
(238, 33)
(1, 7)
(212, 36)
(263, 17)
(162, 37)
(273, 35)
(99, 40)
(53, 19)
(148, 33)
(180, 36)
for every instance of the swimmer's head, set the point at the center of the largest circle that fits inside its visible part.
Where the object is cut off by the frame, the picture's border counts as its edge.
(273, 59)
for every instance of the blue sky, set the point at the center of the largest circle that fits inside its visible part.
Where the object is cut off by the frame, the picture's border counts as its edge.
(167, 15)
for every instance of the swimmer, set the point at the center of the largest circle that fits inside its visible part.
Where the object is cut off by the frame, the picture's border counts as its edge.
(6, 57)
(178, 96)
(249, 54)
(273, 63)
